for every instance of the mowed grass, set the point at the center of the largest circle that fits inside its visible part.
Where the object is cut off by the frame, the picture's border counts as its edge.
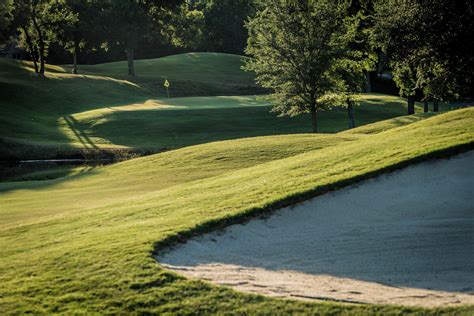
(33, 110)
(169, 124)
(103, 110)
(66, 248)
(189, 74)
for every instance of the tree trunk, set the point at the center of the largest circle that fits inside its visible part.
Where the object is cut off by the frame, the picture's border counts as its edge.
(42, 46)
(411, 105)
(426, 106)
(42, 61)
(314, 121)
(368, 88)
(32, 49)
(435, 106)
(131, 67)
(350, 112)
(74, 57)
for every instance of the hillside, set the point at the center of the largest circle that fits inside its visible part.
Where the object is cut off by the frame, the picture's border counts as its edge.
(84, 243)
(66, 115)
(190, 74)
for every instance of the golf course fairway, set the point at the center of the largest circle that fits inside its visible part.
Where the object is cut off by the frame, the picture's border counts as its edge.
(87, 243)
(65, 115)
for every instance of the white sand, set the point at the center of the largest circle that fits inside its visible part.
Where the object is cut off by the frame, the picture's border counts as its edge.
(404, 238)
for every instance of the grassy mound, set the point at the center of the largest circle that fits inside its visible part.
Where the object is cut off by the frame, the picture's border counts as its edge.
(84, 244)
(190, 74)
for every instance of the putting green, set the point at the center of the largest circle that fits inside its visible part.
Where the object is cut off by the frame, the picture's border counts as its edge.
(101, 109)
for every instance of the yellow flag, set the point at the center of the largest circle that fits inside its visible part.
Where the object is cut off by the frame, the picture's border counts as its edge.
(166, 84)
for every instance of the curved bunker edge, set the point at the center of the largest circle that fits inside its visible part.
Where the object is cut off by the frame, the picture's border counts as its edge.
(404, 238)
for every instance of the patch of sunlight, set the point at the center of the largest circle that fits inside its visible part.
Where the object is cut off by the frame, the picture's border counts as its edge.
(99, 114)
(59, 72)
(78, 137)
(174, 104)
(28, 65)
(90, 77)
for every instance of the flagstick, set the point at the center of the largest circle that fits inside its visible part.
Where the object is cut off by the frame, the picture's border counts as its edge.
(167, 85)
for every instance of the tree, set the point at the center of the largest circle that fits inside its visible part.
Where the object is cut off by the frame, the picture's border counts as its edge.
(126, 21)
(353, 68)
(130, 21)
(81, 29)
(436, 83)
(182, 27)
(446, 67)
(447, 28)
(397, 31)
(349, 82)
(5, 18)
(295, 45)
(429, 47)
(362, 11)
(38, 22)
(225, 25)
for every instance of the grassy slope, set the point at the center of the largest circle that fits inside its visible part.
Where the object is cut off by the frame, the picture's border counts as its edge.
(189, 74)
(92, 255)
(30, 108)
(37, 111)
(102, 109)
(174, 123)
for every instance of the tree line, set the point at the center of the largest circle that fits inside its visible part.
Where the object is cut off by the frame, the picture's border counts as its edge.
(115, 29)
(316, 54)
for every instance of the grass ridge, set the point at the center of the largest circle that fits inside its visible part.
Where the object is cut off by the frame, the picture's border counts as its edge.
(252, 213)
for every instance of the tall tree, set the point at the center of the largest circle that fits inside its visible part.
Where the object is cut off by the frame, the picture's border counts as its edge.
(362, 11)
(183, 27)
(429, 46)
(295, 45)
(82, 29)
(396, 22)
(350, 69)
(225, 25)
(38, 22)
(130, 21)
(5, 18)
(446, 67)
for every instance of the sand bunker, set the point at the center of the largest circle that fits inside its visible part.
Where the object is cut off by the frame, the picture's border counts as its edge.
(404, 238)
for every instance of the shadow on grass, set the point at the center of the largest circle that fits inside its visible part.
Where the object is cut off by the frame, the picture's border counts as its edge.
(175, 128)
(42, 175)
(73, 125)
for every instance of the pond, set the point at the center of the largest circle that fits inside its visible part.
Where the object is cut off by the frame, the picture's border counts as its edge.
(35, 170)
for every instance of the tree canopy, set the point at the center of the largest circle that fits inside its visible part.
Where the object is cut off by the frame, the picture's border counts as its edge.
(299, 49)
(311, 54)
(428, 46)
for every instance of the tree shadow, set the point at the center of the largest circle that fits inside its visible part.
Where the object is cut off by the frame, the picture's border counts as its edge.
(84, 139)
(92, 169)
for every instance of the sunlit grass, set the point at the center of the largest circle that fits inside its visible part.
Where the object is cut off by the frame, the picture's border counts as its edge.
(103, 109)
(83, 244)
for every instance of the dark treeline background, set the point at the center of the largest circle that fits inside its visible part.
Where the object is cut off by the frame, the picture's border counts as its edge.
(191, 25)
(425, 46)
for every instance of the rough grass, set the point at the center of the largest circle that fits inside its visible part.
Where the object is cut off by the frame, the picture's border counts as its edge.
(66, 247)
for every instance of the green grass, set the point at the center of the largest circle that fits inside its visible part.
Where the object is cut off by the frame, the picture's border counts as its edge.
(84, 243)
(189, 74)
(65, 115)
(37, 172)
